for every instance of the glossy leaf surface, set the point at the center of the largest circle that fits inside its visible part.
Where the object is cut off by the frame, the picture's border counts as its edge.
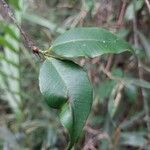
(65, 86)
(88, 42)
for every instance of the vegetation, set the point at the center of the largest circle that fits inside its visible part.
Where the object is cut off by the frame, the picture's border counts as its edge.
(119, 116)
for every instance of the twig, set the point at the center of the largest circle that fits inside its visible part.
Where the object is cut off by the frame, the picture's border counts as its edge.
(110, 62)
(134, 120)
(122, 12)
(140, 71)
(146, 68)
(119, 94)
(79, 18)
(110, 76)
(116, 138)
(119, 23)
(135, 28)
(31, 45)
(146, 105)
(148, 5)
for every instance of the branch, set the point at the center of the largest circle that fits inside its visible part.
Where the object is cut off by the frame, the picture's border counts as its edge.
(140, 71)
(122, 12)
(7, 11)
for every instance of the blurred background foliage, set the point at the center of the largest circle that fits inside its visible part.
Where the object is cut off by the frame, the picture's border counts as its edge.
(120, 116)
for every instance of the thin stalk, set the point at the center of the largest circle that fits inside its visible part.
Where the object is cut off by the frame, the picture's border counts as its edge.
(140, 71)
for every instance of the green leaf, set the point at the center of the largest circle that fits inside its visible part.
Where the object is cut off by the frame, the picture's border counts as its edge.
(87, 42)
(65, 86)
(105, 88)
(131, 93)
(15, 4)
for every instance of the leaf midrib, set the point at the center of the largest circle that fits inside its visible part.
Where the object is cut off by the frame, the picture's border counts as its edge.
(81, 40)
(67, 93)
(54, 66)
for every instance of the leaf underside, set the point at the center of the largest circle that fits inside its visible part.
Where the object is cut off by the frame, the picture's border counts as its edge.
(65, 86)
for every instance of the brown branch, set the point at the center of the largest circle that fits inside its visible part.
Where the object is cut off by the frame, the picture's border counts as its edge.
(7, 11)
(110, 76)
(140, 71)
(122, 13)
(110, 62)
